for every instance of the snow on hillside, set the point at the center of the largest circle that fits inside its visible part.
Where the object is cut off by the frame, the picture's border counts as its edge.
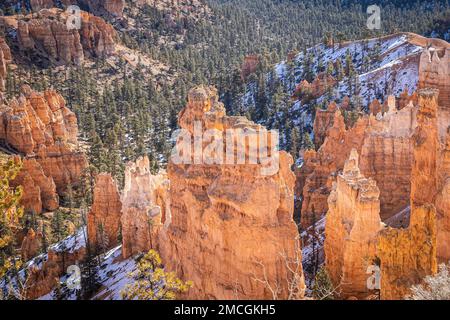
(112, 275)
(384, 66)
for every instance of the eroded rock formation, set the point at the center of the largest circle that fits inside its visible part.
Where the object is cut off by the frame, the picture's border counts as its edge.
(386, 156)
(230, 224)
(322, 122)
(145, 207)
(5, 59)
(40, 128)
(407, 255)
(352, 226)
(103, 221)
(328, 160)
(31, 245)
(45, 34)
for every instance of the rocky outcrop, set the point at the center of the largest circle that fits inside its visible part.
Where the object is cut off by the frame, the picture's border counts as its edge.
(249, 66)
(31, 245)
(5, 59)
(434, 72)
(407, 255)
(231, 225)
(145, 208)
(40, 128)
(39, 189)
(328, 160)
(431, 170)
(322, 122)
(386, 156)
(108, 8)
(46, 35)
(443, 202)
(103, 220)
(352, 226)
(44, 277)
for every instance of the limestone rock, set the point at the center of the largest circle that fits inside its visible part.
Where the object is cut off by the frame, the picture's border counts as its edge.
(230, 223)
(145, 207)
(103, 220)
(352, 225)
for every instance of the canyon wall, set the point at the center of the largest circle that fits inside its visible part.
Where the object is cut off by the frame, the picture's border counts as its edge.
(231, 230)
(352, 226)
(43, 131)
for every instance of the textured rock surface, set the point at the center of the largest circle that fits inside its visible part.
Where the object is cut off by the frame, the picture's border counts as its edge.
(352, 225)
(31, 245)
(386, 156)
(329, 159)
(43, 131)
(407, 255)
(230, 223)
(145, 207)
(443, 202)
(39, 189)
(434, 72)
(46, 34)
(322, 122)
(5, 59)
(44, 278)
(103, 221)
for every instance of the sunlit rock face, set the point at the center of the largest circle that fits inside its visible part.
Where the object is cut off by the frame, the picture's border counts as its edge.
(352, 226)
(145, 207)
(103, 220)
(43, 131)
(231, 224)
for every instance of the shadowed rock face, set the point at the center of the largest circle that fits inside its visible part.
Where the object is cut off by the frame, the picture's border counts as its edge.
(229, 223)
(44, 132)
(104, 218)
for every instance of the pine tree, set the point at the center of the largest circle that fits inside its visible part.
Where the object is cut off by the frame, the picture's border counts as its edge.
(152, 282)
